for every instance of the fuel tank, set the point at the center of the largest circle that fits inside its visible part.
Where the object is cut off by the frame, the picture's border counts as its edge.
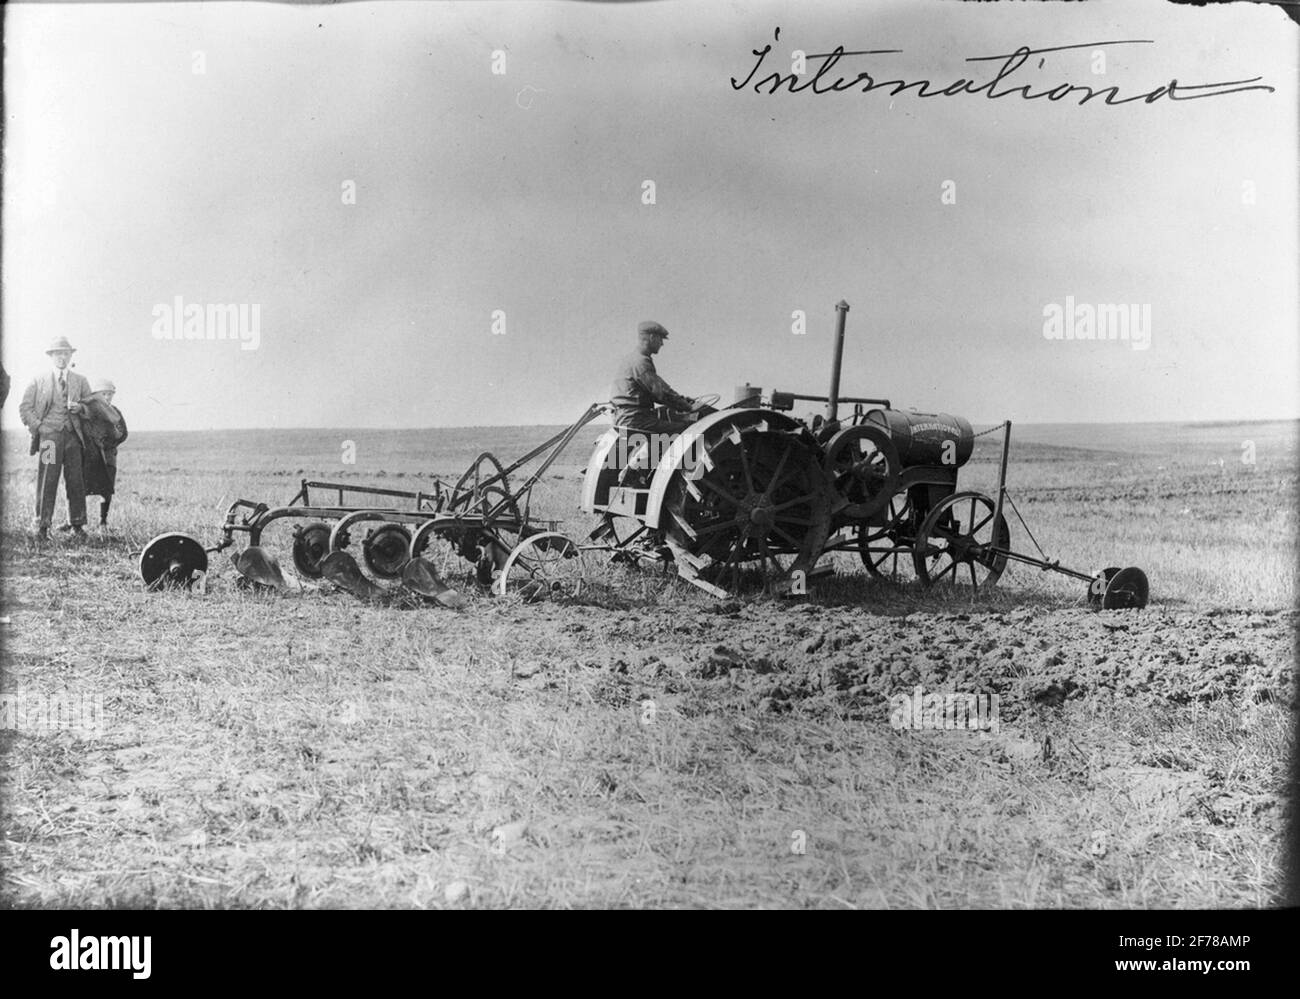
(926, 438)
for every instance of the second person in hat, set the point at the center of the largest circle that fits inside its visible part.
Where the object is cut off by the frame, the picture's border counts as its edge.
(105, 430)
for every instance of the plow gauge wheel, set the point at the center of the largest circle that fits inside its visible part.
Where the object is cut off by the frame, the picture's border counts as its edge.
(311, 543)
(544, 566)
(172, 560)
(1127, 588)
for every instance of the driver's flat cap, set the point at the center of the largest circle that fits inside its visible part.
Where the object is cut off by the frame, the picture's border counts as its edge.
(652, 327)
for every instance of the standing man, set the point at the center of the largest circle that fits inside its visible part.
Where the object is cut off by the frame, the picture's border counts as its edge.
(638, 387)
(51, 410)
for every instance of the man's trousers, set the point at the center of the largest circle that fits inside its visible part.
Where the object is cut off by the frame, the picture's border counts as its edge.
(646, 421)
(60, 454)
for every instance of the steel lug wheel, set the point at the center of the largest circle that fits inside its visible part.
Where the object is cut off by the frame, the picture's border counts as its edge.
(754, 508)
(958, 542)
(547, 566)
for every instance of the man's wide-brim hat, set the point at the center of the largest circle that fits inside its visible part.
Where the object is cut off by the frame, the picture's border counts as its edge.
(102, 385)
(652, 327)
(60, 343)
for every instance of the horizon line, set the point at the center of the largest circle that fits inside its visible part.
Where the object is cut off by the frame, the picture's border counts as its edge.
(598, 423)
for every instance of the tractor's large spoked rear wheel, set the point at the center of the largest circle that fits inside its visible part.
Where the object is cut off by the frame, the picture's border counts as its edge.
(753, 510)
(958, 542)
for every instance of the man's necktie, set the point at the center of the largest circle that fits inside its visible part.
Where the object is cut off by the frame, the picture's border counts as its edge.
(63, 388)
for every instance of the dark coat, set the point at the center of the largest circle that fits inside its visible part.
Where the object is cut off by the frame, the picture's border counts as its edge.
(105, 429)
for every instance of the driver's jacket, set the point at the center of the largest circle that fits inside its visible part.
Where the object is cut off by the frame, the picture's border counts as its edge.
(638, 387)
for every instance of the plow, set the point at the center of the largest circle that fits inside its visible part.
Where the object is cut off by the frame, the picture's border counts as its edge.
(746, 499)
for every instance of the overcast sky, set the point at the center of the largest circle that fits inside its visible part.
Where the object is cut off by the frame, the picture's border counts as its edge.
(205, 151)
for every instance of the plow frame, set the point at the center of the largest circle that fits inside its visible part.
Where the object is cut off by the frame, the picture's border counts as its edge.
(498, 507)
(481, 512)
(258, 516)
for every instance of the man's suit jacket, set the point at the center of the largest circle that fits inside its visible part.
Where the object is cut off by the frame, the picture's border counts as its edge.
(39, 397)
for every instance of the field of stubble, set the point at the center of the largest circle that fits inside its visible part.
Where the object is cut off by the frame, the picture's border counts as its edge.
(311, 751)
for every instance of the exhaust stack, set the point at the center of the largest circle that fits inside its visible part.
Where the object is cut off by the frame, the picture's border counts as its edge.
(833, 403)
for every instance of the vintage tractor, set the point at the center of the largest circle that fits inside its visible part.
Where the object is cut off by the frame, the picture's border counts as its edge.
(751, 493)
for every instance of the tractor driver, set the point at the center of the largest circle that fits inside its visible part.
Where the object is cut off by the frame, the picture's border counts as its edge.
(638, 387)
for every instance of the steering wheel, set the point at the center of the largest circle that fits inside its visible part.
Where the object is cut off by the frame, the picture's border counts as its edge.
(703, 401)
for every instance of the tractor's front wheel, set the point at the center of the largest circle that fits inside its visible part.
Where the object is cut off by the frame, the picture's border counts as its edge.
(959, 543)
